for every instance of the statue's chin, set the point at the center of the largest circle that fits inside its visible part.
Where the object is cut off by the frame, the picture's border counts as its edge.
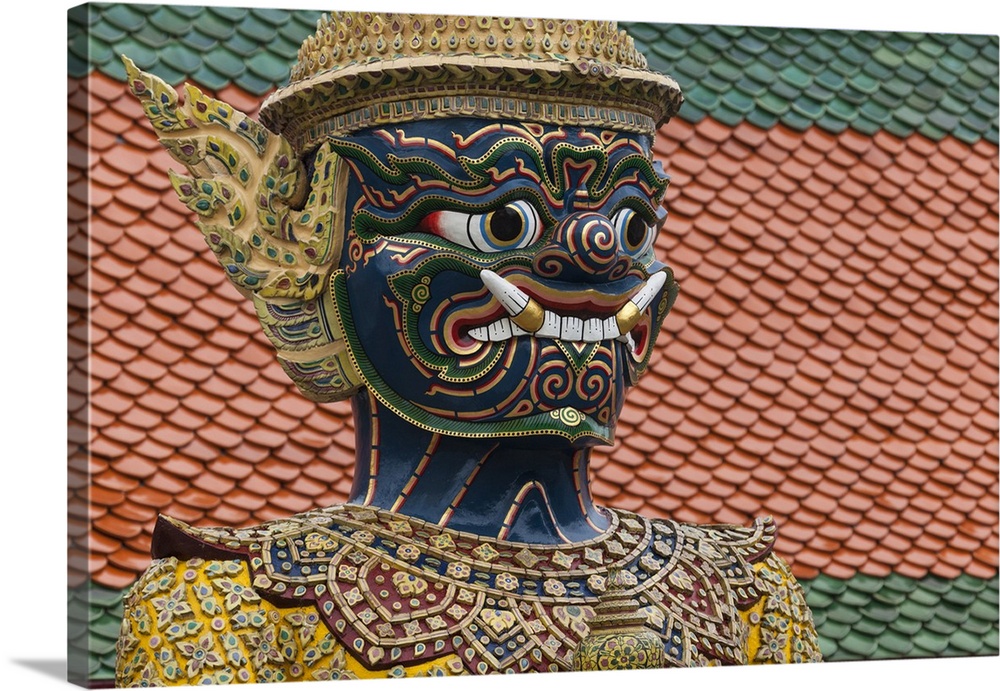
(555, 428)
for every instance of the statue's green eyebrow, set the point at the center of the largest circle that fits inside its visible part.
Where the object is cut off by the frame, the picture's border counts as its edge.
(606, 163)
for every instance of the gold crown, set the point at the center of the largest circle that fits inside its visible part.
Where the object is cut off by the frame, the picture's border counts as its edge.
(363, 69)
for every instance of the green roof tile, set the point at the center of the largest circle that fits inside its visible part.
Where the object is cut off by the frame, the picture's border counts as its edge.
(226, 62)
(966, 642)
(108, 32)
(242, 45)
(694, 69)
(906, 626)
(990, 595)
(189, 11)
(107, 626)
(911, 117)
(256, 28)
(838, 40)
(284, 48)
(300, 24)
(739, 102)
(171, 22)
(833, 124)
(733, 31)
(268, 68)
(774, 59)
(210, 79)
(230, 14)
(859, 645)
(717, 40)
(678, 34)
(252, 83)
(215, 26)
(759, 118)
(727, 115)
(125, 17)
(726, 70)
(96, 49)
(992, 641)
(808, 108)
(831, 80)
(888, 57)
(668, 51)
(199, 42)
(896, 643)
(751, 44)
(703, 98)
(898, 88)
(138, 52)
(647, 33)
(751, 87)
(842, 112)
(692, 113)
(155, 38)
(808, 63)
(796, 76)
(273, 17)
(869, 627)
(880, 612)
(820, 52)
(180, 58)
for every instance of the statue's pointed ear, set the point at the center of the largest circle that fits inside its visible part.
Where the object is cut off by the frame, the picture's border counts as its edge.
(277, 235)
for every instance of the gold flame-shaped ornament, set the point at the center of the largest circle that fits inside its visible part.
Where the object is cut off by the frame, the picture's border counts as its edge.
(277, 236)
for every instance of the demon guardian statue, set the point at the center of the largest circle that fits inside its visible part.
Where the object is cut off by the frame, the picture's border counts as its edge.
(450, 221)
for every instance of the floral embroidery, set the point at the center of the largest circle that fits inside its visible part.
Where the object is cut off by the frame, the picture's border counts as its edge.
(506, 581)
(200, 653)
(174, 605)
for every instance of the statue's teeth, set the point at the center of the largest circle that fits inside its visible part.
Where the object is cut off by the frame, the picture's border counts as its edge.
(527, 317)
(521, 307)
(630, 314)
(513, 299)
(568, 328)
(652, 287)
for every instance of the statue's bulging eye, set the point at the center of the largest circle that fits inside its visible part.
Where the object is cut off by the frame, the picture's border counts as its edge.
(634, 234)
(510, 227)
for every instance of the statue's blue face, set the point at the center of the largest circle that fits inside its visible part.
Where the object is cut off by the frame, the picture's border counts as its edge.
(499, 279)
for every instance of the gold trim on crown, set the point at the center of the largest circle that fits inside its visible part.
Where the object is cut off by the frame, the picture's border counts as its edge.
(363, 69)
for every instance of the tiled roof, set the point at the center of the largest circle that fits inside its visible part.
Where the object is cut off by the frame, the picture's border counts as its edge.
(95, 618)
(832, 357)
(211, 46)
(868, 618)
(934, 84)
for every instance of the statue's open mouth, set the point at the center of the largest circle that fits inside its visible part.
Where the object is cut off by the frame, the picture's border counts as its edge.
(529, 310)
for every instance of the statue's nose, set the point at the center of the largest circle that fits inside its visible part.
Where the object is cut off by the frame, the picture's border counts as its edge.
(583, 248)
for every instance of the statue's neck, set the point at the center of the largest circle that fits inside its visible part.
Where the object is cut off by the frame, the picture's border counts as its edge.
(502, 488)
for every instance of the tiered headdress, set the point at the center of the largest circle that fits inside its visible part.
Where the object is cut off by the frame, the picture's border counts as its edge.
(362, 69)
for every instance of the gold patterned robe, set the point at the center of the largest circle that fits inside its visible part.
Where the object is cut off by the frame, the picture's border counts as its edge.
(353, 592)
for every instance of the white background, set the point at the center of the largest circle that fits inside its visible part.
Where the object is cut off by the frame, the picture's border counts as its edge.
(32, 506)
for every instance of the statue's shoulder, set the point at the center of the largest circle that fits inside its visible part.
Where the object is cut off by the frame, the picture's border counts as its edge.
(198, 614)
(727, 556)
(731, 575)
